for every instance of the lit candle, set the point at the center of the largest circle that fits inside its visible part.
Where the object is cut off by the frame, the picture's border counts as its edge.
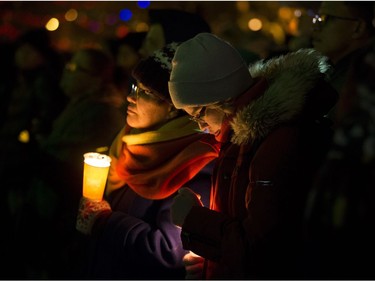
(95, 172)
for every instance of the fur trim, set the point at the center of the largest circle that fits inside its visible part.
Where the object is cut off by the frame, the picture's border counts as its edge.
(290, 78)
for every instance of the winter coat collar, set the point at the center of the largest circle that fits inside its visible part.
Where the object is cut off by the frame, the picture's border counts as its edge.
(282, 98)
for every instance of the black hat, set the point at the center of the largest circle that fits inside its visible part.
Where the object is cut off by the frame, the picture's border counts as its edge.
(132, 39)
(154, 71)
(178, 25)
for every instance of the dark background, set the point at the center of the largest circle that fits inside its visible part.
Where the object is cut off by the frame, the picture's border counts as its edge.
(100, 20)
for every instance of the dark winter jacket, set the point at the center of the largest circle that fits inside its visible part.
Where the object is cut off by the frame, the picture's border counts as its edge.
(271, 149)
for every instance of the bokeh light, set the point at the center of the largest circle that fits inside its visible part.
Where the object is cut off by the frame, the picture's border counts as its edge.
(24, 136)
(293, 27)
(255, 24)
(122, 31)
(285, 13)
(277, 32)
(52, 24)
(243, 6)
(297, 13)
(143, 4)
(142, 27)
(125, 14)
(71, 15)
(99, 20)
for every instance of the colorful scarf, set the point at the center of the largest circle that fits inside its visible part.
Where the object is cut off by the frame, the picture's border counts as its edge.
(156, 164)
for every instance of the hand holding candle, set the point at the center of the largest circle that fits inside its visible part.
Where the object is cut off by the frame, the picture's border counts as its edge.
(95, 172)
(193, 266)
(88, 212)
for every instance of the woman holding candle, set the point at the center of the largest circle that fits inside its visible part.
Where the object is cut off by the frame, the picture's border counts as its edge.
(158, 151)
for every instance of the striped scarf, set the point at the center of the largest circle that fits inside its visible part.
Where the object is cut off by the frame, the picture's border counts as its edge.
(156, 164)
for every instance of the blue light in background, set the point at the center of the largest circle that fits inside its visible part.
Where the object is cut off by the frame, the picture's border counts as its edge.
(125, 14)
(143, 4)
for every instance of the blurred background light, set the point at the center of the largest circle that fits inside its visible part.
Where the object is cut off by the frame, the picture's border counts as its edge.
(141, 27)
(297, 13)
(78, 23)
(71, 15)
(52, 24)
(255, 24)
(126, 14)
(143, 4)
(122, 31)
(243, 6)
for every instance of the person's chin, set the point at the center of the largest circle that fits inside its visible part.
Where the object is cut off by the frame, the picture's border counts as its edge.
(131, 120)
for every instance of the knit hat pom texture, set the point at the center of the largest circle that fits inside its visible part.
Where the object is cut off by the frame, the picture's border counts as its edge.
(154, 71)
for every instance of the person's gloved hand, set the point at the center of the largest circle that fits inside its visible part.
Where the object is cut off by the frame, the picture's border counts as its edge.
(88, 212)
(193, 265)
(182, 203)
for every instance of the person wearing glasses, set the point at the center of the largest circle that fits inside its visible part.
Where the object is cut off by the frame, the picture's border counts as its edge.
(158, 151)
(341, 31)
(269, 121)
(340, 215)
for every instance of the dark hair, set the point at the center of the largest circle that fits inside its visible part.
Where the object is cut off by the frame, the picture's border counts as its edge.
(132, 39)
(178, 25)
(100, 63)
(154, 71)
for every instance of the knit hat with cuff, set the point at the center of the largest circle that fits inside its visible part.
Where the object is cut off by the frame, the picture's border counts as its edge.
(206, 70)
(154, 71)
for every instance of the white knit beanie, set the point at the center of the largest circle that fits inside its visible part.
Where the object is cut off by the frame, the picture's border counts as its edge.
(205, 70)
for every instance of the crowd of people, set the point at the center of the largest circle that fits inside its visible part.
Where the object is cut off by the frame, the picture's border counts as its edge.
(224, 164)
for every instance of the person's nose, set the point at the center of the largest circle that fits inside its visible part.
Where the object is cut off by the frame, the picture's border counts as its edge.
(131, 98)
(202, 125)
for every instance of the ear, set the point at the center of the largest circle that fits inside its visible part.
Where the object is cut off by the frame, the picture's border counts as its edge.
(359, 30)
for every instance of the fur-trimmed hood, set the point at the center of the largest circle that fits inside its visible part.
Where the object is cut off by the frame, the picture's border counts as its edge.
(290, 80)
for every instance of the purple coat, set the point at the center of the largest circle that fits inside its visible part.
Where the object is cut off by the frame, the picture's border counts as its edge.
(139, 241)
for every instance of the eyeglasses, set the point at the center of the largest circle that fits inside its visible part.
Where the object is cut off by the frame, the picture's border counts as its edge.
(321, 20)
(140, 93)
(198, 117)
